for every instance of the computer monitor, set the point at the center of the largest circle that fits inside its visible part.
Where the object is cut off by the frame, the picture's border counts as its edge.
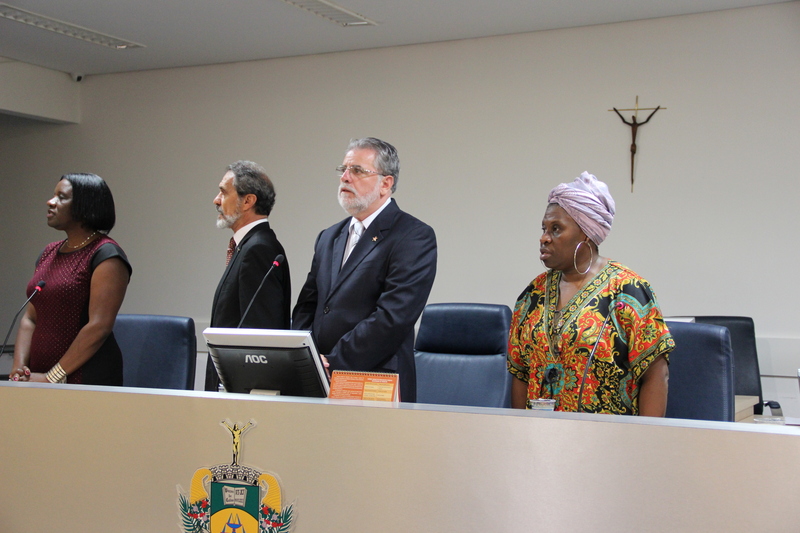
(281, 361)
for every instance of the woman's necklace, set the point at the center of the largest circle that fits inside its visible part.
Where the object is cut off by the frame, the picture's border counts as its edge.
(81, 245)
(554, 334)
(552, 326)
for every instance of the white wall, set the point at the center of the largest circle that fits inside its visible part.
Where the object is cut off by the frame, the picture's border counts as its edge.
(36, 92)
(485, 128)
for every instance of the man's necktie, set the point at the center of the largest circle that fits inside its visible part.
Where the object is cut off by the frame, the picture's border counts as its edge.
(356, 229)
(231, 248)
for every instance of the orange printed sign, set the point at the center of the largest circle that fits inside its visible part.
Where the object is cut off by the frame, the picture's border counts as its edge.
(376, 386)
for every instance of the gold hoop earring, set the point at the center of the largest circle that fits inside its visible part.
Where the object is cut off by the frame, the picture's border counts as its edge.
(575, 259)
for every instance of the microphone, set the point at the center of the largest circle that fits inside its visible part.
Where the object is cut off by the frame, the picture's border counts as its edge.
(617, 307)
(277, 262)
(36, 290)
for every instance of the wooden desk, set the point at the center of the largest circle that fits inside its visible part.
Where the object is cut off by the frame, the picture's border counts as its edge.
(743, 407)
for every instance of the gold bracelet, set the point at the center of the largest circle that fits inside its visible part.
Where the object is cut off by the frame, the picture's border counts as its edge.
(56, 374)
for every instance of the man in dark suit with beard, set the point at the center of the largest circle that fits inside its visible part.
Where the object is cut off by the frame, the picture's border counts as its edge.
(371, 273)
(245, 200)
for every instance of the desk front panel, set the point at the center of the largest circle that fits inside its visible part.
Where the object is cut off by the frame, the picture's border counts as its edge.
(104, 459)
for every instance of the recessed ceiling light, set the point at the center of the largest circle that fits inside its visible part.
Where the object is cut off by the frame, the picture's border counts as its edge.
(65, 28)
(332, 12)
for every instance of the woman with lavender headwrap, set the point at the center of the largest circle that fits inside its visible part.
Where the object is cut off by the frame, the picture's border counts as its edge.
(588, 332)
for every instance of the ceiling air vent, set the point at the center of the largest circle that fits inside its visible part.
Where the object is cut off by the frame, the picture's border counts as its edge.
(332, 12)
(65, 28)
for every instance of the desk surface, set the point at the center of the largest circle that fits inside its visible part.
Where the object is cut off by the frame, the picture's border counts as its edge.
(743, 407)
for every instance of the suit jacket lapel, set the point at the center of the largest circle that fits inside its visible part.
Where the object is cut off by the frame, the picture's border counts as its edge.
(222, 281)
(371, 238)
(233, 262)
(339, 242)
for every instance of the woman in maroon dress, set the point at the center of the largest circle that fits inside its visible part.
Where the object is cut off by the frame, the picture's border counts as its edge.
(66, 334)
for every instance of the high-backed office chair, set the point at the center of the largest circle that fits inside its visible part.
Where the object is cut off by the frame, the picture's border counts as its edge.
(7, 358)
(460, 354)
(158, 351)
(743, 341)
(701, 370)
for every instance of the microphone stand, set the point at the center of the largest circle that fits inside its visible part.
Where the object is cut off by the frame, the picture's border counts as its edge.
(36, 290)
(277, 262)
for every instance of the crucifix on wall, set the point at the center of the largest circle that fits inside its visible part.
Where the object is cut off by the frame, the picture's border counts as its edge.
(634, 125)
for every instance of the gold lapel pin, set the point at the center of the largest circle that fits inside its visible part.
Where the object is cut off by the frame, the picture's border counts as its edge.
(375, 238)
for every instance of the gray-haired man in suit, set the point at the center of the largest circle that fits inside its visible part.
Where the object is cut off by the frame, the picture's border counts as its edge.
(245, 200)
(371, 273)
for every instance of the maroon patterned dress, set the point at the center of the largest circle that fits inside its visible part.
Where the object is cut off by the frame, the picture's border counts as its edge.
(62, 309)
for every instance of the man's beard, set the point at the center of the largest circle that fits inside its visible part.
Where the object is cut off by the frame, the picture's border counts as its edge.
(357, 204)
(226, 221)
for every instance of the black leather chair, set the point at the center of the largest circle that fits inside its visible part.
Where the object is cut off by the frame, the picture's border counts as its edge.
(701, 370)
(460, 354)
(158, 351)
(7, 358)
(745, 355)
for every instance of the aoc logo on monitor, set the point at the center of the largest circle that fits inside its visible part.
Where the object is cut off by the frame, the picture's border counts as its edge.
(233, 498)
(253, 358)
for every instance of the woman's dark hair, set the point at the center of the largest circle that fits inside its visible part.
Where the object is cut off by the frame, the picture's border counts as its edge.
(92, 202)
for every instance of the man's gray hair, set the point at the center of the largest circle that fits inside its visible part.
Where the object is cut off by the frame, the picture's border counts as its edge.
(386, 160)
(251, 178)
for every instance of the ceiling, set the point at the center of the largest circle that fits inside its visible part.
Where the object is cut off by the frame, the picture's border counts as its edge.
(179, 33)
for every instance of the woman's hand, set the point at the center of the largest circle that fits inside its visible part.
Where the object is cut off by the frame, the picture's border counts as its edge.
(25, 374)
(20, 374)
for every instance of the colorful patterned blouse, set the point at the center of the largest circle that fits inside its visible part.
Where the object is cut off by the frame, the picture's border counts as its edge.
(549, 350)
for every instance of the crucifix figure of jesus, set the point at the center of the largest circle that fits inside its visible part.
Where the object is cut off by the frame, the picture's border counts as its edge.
(236, 432)
(634, 124)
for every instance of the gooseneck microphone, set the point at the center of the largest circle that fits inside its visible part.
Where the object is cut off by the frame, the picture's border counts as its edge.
(617, 307)
(277, 262)
(36, 290)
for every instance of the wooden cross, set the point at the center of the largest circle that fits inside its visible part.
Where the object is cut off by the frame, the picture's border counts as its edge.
(634, 124)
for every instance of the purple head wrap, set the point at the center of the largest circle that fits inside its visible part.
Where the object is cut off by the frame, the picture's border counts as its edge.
(587, 200)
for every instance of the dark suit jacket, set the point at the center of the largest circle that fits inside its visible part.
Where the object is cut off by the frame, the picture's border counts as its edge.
(251, 260)
(363, 316)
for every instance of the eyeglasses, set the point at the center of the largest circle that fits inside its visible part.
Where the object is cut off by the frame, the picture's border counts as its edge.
(356, 171)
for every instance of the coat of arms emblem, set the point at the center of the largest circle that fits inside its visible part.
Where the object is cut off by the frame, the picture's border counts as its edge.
(233, 498)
